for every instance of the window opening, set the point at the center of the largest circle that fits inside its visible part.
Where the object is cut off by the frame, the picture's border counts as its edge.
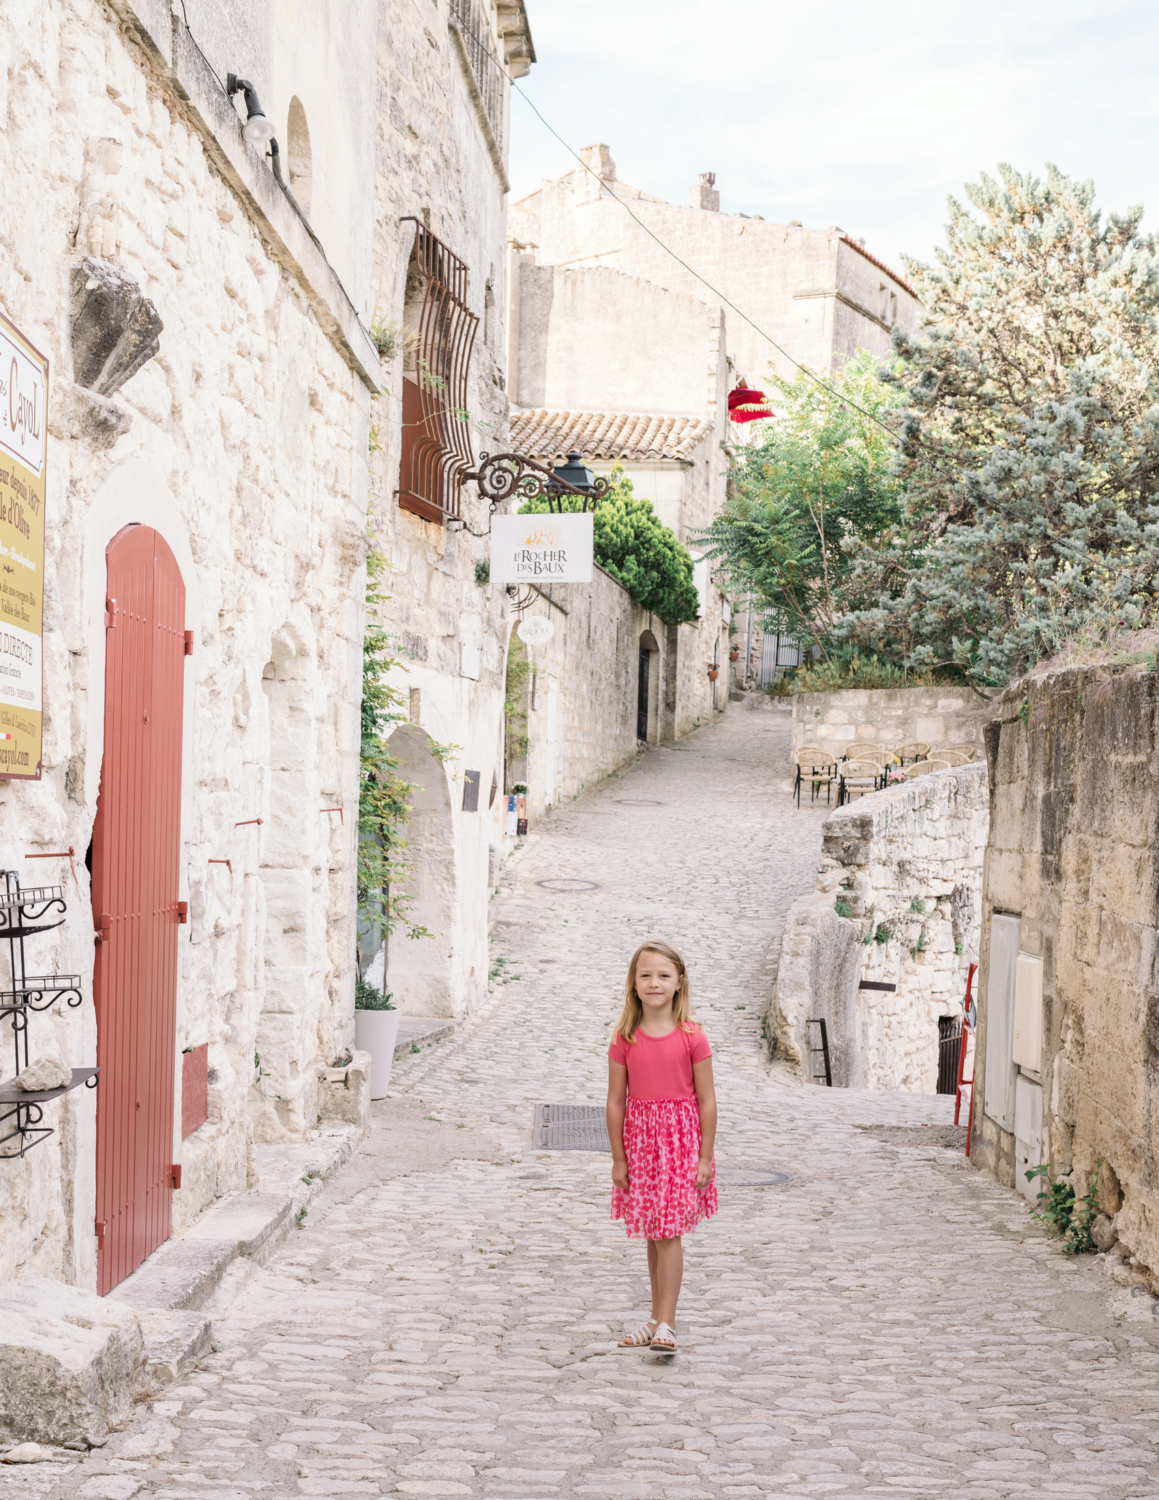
(440, 334)
(486, 68)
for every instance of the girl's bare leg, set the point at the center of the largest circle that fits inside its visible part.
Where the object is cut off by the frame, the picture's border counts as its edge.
(668, 1258)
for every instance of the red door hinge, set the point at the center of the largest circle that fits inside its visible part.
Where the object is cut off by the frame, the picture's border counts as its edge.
(182, 912)
(110, 613)
(176, 1172)
(189, 643)
(99, 1227)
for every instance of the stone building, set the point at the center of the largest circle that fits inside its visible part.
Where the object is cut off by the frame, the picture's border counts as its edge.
(217, 433)
(817, 293)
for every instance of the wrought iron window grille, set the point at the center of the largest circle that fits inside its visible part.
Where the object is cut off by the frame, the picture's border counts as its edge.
(22, 915)
(440, 335)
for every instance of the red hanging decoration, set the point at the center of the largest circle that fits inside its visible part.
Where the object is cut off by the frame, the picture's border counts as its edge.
(741, 403)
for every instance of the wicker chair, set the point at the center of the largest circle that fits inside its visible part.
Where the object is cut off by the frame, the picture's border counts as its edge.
(915, 750)
(925, 767)
(876, 753)
(856, 778)
(953, 756)
(967, 752)
(815, 765)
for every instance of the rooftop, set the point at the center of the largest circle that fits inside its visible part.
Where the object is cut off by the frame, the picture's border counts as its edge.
(548, 435)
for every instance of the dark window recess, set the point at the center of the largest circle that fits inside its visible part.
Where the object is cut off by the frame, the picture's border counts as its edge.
(440, 334)
(642, 698)
(949, 1053)
(194, 1089)
(471, 791)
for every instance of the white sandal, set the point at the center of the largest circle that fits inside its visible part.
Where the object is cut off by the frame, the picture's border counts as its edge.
(664, 1339)
(641, 1339)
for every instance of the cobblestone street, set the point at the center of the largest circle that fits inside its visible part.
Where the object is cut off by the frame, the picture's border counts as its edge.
(885, 1321)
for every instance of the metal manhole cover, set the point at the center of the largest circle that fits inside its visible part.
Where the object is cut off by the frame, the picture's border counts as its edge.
(564, 883)
(742, 1176)
(639, 802)
(570, 1127)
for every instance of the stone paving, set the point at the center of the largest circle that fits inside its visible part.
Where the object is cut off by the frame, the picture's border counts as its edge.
(886, 1322)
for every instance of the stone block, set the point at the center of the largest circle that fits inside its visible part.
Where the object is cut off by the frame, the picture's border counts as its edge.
(71, 1363)
(344, 1093)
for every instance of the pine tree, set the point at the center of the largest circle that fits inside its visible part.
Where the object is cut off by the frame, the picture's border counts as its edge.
(1030, 435)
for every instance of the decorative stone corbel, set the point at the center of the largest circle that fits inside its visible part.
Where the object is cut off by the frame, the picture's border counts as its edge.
(115, 328)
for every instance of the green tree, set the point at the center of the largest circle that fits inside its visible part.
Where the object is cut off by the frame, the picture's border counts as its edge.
(1030, 435)
(635, 546)
(800, 502)
(383, 795)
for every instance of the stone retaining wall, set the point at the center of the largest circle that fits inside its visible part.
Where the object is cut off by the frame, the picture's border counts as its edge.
(898, 888)
(1070, 887)
(890, 717)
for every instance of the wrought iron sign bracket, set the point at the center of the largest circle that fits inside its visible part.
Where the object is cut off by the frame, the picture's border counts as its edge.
(501, 475)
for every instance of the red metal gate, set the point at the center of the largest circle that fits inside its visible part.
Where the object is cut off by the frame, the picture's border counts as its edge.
(135, 861)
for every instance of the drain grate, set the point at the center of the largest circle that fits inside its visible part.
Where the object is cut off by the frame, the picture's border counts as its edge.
(740, 1175)
(570, 1127)
(567, 883)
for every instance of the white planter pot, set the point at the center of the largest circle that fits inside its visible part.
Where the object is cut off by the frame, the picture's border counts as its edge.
(376, 1032)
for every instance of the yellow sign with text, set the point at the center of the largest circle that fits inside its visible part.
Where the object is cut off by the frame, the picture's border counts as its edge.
(23, 455)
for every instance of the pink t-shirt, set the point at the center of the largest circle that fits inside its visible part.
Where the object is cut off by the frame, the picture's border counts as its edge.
(660, 1067)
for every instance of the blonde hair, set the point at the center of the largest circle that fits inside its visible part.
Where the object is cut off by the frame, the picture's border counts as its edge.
(633, 1011)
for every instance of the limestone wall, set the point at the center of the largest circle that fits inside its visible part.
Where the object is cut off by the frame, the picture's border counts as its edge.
(898, 890)
(582, 692)
(243, 443)
(1070, 882)
(890, 717)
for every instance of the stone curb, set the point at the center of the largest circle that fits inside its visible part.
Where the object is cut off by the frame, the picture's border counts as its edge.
(419, 1031)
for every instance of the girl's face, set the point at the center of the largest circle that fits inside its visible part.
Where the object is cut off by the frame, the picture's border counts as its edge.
(657, 980)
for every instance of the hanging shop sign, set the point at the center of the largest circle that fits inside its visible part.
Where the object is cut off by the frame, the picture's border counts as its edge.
(542, 548)
(23, 455)
(535, 630)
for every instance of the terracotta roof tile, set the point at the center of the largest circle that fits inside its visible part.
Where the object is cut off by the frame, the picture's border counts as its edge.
(604, 435)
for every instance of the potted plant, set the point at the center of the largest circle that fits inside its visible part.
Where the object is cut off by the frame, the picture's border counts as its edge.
(714, 671)
(734, 653)
(376, 1032)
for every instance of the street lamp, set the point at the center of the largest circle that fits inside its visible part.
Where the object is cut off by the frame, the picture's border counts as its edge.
(501, 475)
(258, 130)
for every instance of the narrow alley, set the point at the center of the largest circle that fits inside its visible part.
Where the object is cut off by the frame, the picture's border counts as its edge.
(866, 1314)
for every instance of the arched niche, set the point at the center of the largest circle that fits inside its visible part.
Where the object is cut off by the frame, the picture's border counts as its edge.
(418, 970)
(299, 157)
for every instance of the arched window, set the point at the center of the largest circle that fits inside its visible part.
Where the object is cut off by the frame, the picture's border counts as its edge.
(301, 161)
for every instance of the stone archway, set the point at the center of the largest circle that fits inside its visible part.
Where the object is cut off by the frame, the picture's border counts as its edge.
(419, 970)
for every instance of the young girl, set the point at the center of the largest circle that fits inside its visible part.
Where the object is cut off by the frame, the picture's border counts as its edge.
(661, 1123)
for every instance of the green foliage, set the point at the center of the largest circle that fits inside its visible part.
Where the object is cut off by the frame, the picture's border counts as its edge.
(1029, 446)
(842, 907)
(635, 546)
(516, 739)
(483, 571)
(801, 501)
(385, 335)
(366, 997)
(1060, 1211)
(383, 795)
(848, 668)
(917, 906)
(883, 934)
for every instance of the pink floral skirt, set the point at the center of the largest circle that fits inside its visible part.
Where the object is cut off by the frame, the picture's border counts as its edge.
(662, 1144)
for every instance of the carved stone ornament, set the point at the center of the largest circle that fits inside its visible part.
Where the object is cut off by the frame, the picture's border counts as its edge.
(115, 328)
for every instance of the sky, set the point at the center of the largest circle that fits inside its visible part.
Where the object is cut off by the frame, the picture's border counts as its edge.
(836, 112)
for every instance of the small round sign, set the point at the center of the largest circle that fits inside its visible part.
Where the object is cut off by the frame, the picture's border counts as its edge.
(535, 630)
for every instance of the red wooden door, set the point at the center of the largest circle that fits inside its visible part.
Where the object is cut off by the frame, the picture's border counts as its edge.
(135, 860)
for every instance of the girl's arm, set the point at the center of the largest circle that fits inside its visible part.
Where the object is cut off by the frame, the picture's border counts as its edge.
(706, 1099)
(617, 1094)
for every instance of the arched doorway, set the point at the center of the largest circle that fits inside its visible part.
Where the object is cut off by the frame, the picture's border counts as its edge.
(419, 970)
(135, 884)
(647, 690)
